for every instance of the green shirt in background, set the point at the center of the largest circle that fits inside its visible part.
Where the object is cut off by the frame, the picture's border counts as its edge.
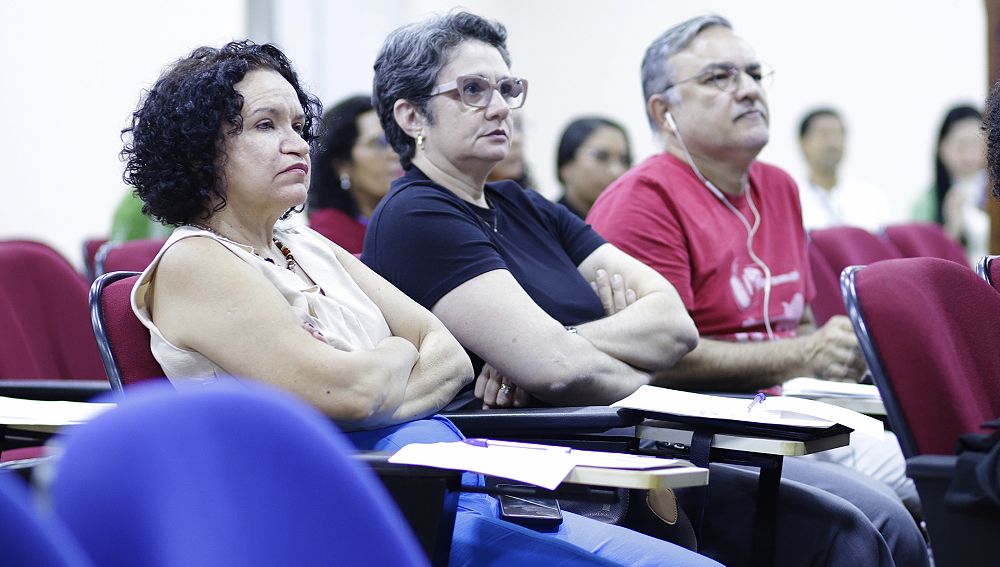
(130, 224)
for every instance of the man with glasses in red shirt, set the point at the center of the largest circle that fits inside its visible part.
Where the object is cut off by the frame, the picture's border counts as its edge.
(726, 231)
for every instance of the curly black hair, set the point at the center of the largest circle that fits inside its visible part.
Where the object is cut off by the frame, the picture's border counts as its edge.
(176, 135)
(991, 127)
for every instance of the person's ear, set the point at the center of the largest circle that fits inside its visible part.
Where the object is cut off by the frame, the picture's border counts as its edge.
(658, 107)
(409, 117)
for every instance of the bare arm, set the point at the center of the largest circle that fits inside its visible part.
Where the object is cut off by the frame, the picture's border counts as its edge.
(655, 331)
(830, 352)
(206, 299)
(495, 318)
(443, 367)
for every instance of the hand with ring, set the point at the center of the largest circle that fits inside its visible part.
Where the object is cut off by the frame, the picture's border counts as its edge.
(497, 391)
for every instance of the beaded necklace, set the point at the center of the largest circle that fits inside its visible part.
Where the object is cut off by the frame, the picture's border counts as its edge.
(290, 262)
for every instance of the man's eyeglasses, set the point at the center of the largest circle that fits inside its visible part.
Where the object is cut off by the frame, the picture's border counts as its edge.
(727, 78)
(477, 91)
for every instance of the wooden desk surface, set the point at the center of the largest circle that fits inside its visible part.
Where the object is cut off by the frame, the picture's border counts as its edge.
(674, 477)
(671, 432)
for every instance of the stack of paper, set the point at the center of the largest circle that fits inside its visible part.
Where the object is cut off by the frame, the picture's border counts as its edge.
(813, 388)
(774, 410)
(864, 398)
(16, 411)
(542, 465)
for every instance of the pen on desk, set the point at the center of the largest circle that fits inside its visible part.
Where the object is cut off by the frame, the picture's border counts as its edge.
(477, 442)
(757, 399)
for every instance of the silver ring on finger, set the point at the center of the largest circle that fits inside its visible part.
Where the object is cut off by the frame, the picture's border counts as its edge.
(504, 388)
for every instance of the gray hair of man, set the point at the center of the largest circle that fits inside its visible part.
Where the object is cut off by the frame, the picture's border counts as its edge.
(409, 61)
(657, 75)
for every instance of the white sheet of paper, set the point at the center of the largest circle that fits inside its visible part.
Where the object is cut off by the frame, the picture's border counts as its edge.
(774, 410)
(541, 467)
(796, 408)
(17, 411)
(624, 461)
(827, 388)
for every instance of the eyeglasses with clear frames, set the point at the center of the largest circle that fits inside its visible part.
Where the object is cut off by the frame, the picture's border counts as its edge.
(477, 91)
(727, 78)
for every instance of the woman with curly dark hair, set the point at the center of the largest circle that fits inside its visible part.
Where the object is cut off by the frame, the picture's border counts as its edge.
(220, 147)
(353, 168)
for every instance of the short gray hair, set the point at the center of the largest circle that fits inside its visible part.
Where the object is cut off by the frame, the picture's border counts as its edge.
(408, 64)
(656, 72)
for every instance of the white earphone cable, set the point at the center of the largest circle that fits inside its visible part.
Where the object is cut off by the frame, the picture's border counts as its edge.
(751, 230)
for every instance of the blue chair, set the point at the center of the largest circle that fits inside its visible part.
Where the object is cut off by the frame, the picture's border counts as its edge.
(238, 475)
(27, 537)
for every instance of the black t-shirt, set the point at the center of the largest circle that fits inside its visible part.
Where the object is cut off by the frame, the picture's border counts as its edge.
(427, 241)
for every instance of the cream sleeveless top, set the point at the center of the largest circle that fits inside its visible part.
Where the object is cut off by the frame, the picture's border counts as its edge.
(336, 306)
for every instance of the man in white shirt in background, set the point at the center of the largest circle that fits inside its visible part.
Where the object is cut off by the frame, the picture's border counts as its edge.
(827, 199)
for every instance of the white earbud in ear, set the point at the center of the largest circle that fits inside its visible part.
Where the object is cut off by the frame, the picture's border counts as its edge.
(670, 121)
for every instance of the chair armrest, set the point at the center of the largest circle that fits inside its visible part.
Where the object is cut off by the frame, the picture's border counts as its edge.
(931, 467)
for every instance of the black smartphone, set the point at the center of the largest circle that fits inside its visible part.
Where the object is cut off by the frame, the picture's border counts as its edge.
(537, 513)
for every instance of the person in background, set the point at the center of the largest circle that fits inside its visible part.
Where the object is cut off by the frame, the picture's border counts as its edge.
(957, 200)
(131, 223)
(513, 166)
(353, 168)
(592, 153)
(827, 198)
(220, 147)
(507, 272)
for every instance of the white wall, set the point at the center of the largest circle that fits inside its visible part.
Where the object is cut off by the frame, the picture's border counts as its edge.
(72, 73)
(893, 67)
(74, 70)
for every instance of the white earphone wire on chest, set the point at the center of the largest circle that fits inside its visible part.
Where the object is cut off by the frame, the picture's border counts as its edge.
(751, 229)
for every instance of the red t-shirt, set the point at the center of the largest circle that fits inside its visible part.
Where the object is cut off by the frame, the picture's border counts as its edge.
(340, 227)
(662, 214)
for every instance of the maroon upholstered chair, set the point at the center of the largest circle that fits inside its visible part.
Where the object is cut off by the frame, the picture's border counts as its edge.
(928, 330)
(844, 246)
(926, 239)
(123, 339)
(989, 270)
(126, 256)
(90, 248)
(44, 323)
(828, 301)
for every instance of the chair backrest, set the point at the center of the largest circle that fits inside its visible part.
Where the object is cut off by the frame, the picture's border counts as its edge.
(828, 301)
(90, 248)
(844, 246)
(122, 338)
(30, 538)
(928, 331)
(989, 270)
(126, 256)
(44, 322)
(926, 239)
(232, 475)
